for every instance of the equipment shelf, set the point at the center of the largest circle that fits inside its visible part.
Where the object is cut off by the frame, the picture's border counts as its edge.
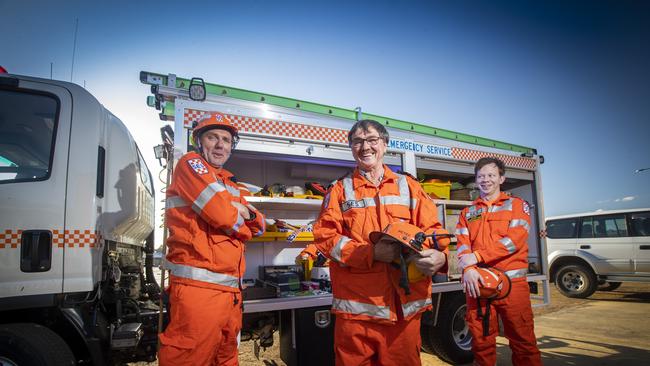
(284, 203)
(282, 236)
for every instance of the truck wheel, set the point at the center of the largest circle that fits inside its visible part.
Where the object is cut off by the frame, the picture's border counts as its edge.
(609, 286)
(34, 345)
(450, 338)
(576, 280)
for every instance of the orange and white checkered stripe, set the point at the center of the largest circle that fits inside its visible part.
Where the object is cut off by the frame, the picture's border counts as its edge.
(273, 127)
(80, 239)
(10, 239)
(509, 160)
(334, 135)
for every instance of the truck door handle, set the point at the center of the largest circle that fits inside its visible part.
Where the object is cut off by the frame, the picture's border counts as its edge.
(36, 251)
(585, 247)
(644, 247)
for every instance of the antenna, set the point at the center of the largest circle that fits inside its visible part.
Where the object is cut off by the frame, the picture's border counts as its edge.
(51, 65)
(74, 46)
(640, 170)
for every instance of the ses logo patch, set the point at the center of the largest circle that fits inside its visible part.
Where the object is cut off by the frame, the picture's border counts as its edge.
(197, 166)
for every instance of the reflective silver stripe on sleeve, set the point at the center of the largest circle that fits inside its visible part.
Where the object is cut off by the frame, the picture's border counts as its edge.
(233, 190)
(520, 222)
(206, 195)
(239, 223)
(368, 201)
(517, 273)
(507, 242)
(348, 188)
(462, 231)
(338, 248)
(359, 308)
(201, 274)
(462, 248)
(506, 206)
(413, 307)
(174, 202)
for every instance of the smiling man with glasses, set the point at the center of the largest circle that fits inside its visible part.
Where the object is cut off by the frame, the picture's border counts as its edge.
(377, 321)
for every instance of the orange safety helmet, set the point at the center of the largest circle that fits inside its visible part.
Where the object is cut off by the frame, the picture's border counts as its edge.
(406, 234)
(212, 121)
(496, 284)
(411, 236)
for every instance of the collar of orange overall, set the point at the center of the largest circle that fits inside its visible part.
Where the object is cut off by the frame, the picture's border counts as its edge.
(219, 171)
(502, 197)
(360, 180)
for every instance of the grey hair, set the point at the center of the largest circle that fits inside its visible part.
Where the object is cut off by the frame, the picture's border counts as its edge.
(365, 126)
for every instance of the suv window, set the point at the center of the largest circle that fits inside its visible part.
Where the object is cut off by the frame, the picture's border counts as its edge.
(27, 126)
(640, 223)
(561, 229)
(587, 228)
(609, 226)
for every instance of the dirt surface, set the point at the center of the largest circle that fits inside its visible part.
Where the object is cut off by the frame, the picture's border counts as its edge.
(618, 336)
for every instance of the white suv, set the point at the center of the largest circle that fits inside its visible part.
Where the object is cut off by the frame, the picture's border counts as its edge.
(598, 250)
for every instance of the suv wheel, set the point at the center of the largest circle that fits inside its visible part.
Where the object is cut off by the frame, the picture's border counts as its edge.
(576, 280)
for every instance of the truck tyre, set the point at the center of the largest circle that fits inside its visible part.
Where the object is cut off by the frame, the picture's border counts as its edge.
(450, 338)
(609, 286)
(34, 345)
(576, 280)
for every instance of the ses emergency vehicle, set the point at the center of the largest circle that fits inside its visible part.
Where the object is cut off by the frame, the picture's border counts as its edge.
(76, 231)
(289, 142)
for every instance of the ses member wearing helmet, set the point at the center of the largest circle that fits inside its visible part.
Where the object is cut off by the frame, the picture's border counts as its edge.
(208, 221)
(493, 232)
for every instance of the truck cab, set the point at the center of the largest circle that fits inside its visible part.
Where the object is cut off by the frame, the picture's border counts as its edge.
(76, 203)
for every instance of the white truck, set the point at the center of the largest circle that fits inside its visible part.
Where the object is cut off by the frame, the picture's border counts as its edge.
(290, 141)
(76, 231)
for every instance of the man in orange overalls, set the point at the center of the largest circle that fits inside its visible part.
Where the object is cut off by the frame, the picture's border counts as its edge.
(377, 323)
(493, 231)
(208, 221)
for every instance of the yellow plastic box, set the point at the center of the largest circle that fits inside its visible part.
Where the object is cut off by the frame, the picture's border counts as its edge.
(441, 190)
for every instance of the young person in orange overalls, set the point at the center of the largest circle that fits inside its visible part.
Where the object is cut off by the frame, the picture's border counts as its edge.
(493, 231)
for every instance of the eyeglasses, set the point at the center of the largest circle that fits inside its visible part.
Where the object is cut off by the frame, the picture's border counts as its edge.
(372, 141)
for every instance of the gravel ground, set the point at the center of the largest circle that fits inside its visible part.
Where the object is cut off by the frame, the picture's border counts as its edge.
(628, 292)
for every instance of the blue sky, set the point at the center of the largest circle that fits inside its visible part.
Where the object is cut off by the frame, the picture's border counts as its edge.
(569, 78)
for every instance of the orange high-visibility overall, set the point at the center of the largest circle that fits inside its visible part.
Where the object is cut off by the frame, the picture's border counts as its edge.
(497, 232)
(376, 322)
(206, 263)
